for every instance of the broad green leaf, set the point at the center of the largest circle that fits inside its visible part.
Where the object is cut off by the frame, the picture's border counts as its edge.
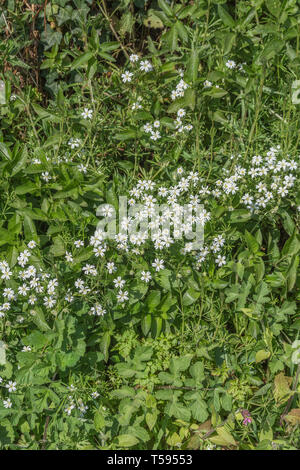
(225, 17)
(127, 440)
(262, 355)
(81, 60)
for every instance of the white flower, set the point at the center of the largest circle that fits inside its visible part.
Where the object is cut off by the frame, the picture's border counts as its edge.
(26, 348)
(111, 267)
(46, 177)
(156, 124)
(78, 243)
(49, 301)
(95, 394)
(87, 113)
(230, 64)
(158, 264)
(122, 296)
(155, 135)
(146, 276)
(7, 403)
(126, 76)
(69, 409)
(220, 260)
(180, 113)
(69, 297)
(119, 282)
(31, 244)
(133, 58)
(147, 127)
(74, 143)
(69, 257)
(207, 84)
(82, 168)
(11, 386)
(146, 66)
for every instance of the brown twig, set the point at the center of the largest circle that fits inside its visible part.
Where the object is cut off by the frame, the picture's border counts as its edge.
(104, 11)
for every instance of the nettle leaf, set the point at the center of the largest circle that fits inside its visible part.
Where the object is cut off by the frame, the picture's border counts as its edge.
(224, 438)
(123, 392)
(178, 410)
(199, 410)
(127, 440)
(146, 324)
(274, 7)
(197, 371)
(179, 364)
(36, 339)
(165, 8)
(151, 419)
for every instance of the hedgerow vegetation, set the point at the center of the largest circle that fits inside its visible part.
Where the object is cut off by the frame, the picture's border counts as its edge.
(135, 342)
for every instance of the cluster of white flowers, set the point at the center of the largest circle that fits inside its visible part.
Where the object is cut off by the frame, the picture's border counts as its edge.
(74, 143)
(264, 180)
(33, 285)
(179, 90)
(144, 66)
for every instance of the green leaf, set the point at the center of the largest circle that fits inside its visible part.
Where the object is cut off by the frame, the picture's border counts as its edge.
(151, 419)
(192, 65)
(104, 345)
(291, 246)
(39, 319)
(171, 38)
(81, 60)
(146, 324)
(126, 135)
(25, 188)
(225, 17)
(127, 440)
(4, 151)
(165, 7)
(99, 421)
(19, 162)
(252, 243)
(274, 7)
(262, 355)
(240, 216)
(179, 364)
(153, 300)
(190, 297)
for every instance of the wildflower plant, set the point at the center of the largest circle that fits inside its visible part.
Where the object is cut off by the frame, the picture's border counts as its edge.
(149, 232)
